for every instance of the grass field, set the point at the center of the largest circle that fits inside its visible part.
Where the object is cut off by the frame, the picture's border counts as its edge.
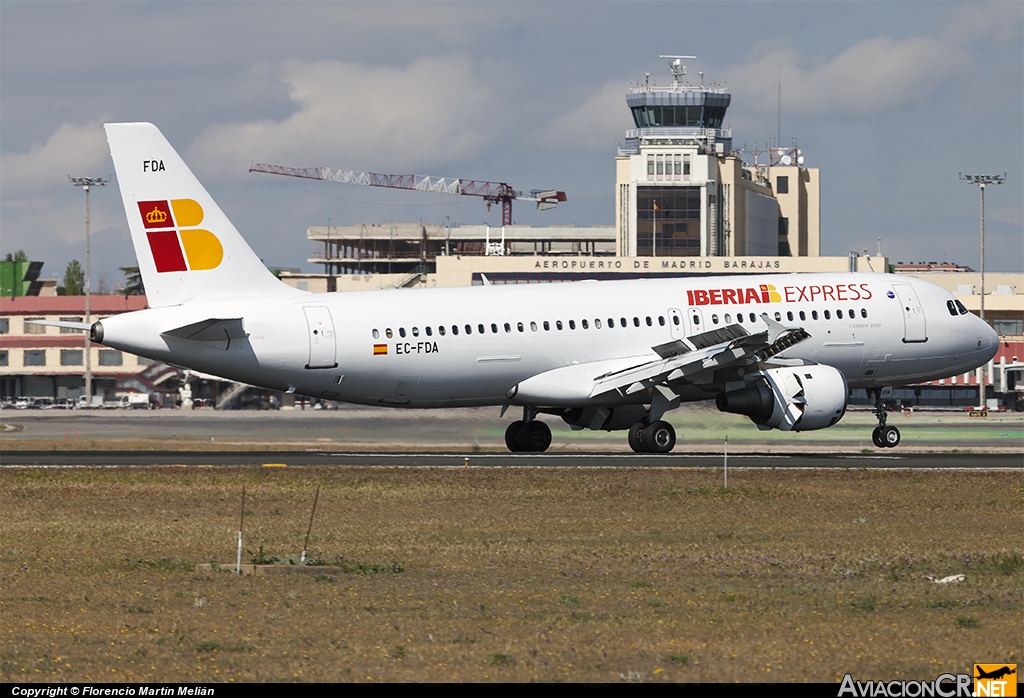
(510, 574)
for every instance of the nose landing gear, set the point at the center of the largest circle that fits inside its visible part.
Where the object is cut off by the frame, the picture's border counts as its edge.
(883, 436)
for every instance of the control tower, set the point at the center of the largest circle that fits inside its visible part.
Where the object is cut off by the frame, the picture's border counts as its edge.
(683, 191)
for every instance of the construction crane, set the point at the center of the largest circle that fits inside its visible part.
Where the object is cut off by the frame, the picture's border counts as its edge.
(491, 192)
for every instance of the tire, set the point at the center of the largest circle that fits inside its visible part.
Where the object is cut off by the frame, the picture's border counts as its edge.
(876, 437)
(512, 436)
(536, 437)
(636, 438)
(891, 437)
(660, 437)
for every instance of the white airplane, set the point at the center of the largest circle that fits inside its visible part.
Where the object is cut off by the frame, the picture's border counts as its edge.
(784, 350)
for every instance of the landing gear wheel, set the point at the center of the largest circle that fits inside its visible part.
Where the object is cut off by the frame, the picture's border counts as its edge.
(876, 437)
(891, 437)
(659, 437)
(636, 438)
(535, 437)
(512, 436)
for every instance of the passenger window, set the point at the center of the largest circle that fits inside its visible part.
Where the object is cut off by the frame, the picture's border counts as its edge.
(415, 331)
(839, 314)
(547, 326)
(389, 333)
(753, 318)
(828, 315)
(429, 331)
(455, 330)
(519, 327)
(401, 331)
(611, 322)
(864, 312)
(572, 324)
(440, 330)
(789, 316)
(778, 317)
(696, 320)
(508, 327)
(558, 325)
(728, 318)
(622, 322)
(585, 324)
(649, 323)
(803, 316)
(533, 326)
(714, 319)
(469, 329)
(661, 320)
(675, 320)
(597, 323)
(494, 328)
(636, 321)
(814, 314)
(376, 334)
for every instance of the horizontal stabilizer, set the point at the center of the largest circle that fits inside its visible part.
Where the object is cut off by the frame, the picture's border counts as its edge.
(84, 326)
(217, 331)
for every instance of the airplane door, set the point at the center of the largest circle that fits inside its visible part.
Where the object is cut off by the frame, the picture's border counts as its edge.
(914, 328)
(321, 337)
(676, 323)
(694, 321)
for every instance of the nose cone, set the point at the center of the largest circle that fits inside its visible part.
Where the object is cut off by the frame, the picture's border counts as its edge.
(993, 342)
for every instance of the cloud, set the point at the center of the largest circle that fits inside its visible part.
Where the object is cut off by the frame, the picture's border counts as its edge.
(995, 22)
(72, 149)
(349, 115)
(872, 77)
(595, 125)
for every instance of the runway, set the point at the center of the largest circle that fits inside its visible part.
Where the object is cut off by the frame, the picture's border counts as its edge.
(298, 459)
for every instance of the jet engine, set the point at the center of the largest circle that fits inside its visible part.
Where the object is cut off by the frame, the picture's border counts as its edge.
(604, 418)
(799, 398)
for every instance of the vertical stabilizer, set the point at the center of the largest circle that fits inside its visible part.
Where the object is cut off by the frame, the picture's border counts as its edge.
(187, 248)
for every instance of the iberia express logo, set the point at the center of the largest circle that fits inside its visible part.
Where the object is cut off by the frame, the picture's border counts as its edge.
(765, 293)
(173, 237)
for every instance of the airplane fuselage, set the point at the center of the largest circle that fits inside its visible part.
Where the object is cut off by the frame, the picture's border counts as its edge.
(470, 346)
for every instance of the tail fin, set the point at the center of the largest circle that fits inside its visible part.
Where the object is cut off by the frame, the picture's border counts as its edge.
(187, 248)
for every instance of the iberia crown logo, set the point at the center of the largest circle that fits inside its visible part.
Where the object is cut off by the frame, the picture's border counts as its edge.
(183, 247)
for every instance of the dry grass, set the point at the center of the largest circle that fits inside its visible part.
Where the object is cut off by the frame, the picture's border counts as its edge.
(510, 575)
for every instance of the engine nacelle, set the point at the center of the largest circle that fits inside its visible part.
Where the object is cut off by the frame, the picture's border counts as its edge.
(799, 398)
(604, 418)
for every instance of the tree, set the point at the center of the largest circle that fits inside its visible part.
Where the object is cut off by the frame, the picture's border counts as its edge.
(132, 282)
(18, 256)
(74, 280)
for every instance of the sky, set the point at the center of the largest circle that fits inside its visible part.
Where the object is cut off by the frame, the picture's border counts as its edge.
(889, 99)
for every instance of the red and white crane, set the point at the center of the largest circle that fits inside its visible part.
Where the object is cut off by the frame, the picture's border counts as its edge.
(491, 192)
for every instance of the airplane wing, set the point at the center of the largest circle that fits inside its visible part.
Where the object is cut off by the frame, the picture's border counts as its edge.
(693, 360)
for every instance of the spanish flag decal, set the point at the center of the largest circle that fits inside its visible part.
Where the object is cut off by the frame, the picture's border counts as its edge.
(171, 247)
(380, 349)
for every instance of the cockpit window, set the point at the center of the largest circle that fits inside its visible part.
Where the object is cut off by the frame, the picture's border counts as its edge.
(951, 307)
(961, 308)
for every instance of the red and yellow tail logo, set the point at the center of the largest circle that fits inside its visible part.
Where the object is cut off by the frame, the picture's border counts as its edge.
(173, 237)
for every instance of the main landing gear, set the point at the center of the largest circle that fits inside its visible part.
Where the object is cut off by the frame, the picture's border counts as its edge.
(527, 435)
(656, 437)
(883, 436)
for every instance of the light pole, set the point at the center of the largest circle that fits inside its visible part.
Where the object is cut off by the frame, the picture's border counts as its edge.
(87, 183)
(981, 181)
